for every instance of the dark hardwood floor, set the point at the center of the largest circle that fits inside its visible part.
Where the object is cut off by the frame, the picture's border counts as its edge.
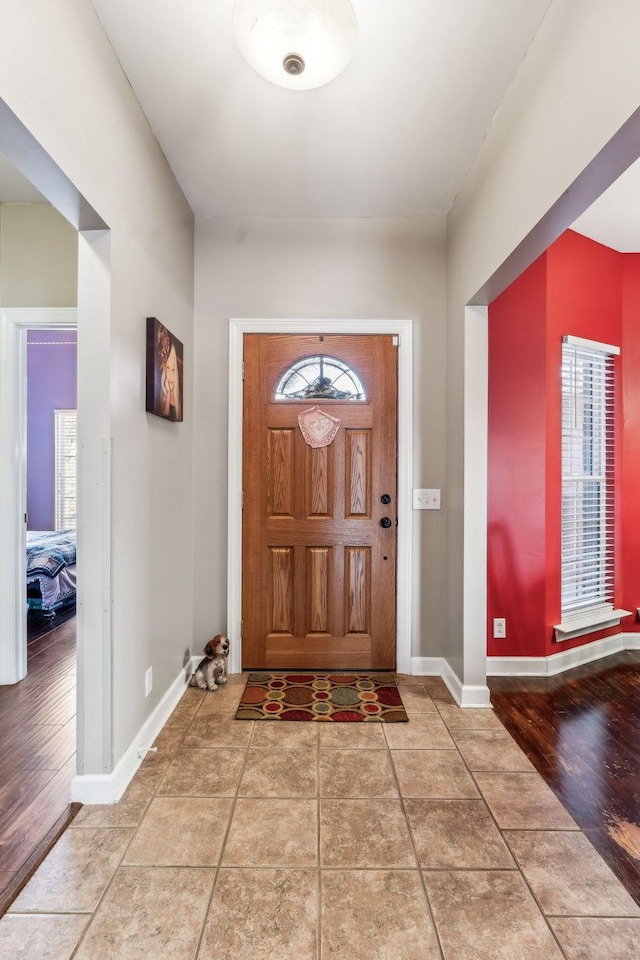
(581, 730)
(37, 752)
(39, 626)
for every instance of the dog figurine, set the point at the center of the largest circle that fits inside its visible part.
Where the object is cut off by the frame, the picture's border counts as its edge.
(211, 671)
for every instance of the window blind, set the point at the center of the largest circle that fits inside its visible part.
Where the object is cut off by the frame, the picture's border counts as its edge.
(587, 564)
(65, 469)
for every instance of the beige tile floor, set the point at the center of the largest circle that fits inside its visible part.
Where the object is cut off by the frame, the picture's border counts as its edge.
(432, 840)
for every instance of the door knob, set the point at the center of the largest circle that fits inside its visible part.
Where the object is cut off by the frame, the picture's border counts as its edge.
(385, 522)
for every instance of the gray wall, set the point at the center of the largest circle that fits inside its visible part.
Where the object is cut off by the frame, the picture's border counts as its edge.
(71, 94)
(304, 269)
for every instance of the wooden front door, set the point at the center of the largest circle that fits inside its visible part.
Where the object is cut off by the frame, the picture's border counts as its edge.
(319, 522)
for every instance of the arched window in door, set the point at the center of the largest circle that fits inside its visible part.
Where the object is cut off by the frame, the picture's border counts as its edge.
(320, 378)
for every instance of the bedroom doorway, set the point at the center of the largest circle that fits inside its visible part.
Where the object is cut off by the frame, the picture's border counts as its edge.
(51, 480)
(84, 279)
(39, 645)
(18, 326)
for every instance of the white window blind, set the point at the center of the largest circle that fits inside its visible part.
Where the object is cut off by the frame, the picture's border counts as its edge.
(65, 468)
(587, 571)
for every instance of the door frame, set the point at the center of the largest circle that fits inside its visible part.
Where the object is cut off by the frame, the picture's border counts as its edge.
(403, 329)
(14, 324)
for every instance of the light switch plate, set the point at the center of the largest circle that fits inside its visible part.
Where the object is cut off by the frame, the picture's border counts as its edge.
(426, 499)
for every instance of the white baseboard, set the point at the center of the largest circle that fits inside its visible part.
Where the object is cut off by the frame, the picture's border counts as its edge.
(465, 695)
(631, 641)
(453, 681)
(108, 788)
(476, 695)
(426, 666)
(565, 660)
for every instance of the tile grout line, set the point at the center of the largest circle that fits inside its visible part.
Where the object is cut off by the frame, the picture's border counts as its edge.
(517, 868)
(319, 868)
(109, 883)
(207, 911)
(504, 840)
(413, 844)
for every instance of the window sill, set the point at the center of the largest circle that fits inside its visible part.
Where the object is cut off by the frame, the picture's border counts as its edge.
(589, 623)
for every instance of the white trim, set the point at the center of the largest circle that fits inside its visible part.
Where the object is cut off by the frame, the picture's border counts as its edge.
(402, 328)
(591, 344)
(477, 696)
(588, 623)
(108, 788)
(426, 666)
(565, 660)
(474, 691)
(14, 323)
(518, 667)
(465, 695)
(452, 681)
(93, 622)
(234, 499)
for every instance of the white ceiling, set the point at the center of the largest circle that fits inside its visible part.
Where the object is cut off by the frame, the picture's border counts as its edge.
(394, 135)
(614, 218)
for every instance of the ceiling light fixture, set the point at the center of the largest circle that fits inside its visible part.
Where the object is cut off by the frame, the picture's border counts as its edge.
(300, 44)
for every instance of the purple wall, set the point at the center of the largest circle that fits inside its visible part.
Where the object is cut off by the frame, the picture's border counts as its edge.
(51, 385)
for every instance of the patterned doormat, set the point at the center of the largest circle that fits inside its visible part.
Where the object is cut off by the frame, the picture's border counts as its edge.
(341, 697)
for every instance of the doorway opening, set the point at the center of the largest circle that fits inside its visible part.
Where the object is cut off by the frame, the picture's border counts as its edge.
(17, 325)
(51, 471)
(38, 648)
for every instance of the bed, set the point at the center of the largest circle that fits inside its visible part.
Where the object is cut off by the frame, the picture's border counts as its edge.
(51, 570)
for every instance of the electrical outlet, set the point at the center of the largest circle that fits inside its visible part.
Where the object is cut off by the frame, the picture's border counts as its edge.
(148, 682)
(499, 628)
(426, 499)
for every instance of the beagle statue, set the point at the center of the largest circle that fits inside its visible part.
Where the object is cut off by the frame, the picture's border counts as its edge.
(211, 671)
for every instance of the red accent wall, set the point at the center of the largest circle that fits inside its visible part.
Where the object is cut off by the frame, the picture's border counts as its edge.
(576, 287)
(516, 464)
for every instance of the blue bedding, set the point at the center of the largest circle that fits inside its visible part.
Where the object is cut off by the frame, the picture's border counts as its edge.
(50, 551)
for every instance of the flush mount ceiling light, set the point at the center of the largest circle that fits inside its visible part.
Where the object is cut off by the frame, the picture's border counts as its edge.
(300, 44)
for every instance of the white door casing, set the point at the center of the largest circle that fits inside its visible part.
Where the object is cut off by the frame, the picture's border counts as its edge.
(403, 329)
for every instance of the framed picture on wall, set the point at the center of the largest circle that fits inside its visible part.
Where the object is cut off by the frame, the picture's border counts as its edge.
(164, 371)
